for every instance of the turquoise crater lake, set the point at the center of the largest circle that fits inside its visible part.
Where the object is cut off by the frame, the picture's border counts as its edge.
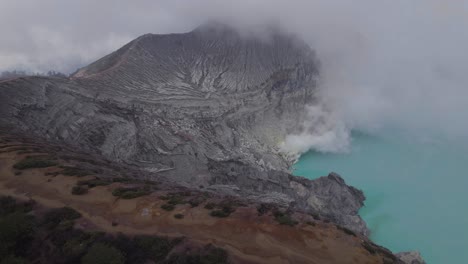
(416, 190)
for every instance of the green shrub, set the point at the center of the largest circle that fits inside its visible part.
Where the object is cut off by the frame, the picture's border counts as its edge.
(14, 260)
(155, 248)
(15, 229)
(65, 225)
(196, 201)
(210, 206)
(55, 216)
(74, 247)
(101, 253)
(167, 207)
(73, 171)
(284, 219)
(175, 200)
(93, 183)
(264, 208)
(7, 205)
(130, 193)
(315, 216)
(34, 162)
(214, 256)
(79, 190)
(210, 255)
(179, 216)
(219, 213)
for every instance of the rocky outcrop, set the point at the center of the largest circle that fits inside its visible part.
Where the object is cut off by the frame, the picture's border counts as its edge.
(206, 109)
(411, 257)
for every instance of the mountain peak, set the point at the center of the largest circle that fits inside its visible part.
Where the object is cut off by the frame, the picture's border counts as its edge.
(214, 57)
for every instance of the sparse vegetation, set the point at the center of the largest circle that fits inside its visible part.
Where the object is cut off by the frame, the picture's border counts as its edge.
(51, 238)
(55, 216)
(101, 253)
(73, 171)
(368, 247)
(93, 182)
(179, 216)
(284, 219)
(264, 208)
(194, 202)
(346, 230)
(209, 255)
(7, 205)
(210, 206)
(15, 229)
(168, 207)
(13, 260)
(315, 216)
(34, 162)
(155, 248)
(225, 211)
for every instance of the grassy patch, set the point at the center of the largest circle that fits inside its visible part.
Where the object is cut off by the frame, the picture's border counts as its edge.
(34, 162)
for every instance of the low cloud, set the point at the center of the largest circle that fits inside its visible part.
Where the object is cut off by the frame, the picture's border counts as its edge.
(385, 63)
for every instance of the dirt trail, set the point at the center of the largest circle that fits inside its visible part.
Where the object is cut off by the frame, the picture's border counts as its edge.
(249, 238)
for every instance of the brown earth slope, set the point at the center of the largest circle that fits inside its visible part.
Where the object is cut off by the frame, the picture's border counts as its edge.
(249, 234)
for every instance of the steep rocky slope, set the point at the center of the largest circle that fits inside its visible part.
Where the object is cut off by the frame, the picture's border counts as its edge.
(206, 109)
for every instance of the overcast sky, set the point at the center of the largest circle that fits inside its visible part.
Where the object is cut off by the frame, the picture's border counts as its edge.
(394, 58)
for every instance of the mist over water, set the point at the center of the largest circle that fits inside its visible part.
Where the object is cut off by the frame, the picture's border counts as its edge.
(395, 90)
(415, 190)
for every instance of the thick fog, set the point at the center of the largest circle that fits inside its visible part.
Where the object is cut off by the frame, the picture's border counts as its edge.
(385, 63)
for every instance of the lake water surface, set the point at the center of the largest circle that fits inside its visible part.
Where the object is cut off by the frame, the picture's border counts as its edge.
(416, 189)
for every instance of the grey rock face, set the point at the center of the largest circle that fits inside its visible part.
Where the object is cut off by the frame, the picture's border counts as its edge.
(204, 108)
(411, 257)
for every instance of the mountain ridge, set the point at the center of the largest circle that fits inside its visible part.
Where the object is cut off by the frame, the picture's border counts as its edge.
(201, 108)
